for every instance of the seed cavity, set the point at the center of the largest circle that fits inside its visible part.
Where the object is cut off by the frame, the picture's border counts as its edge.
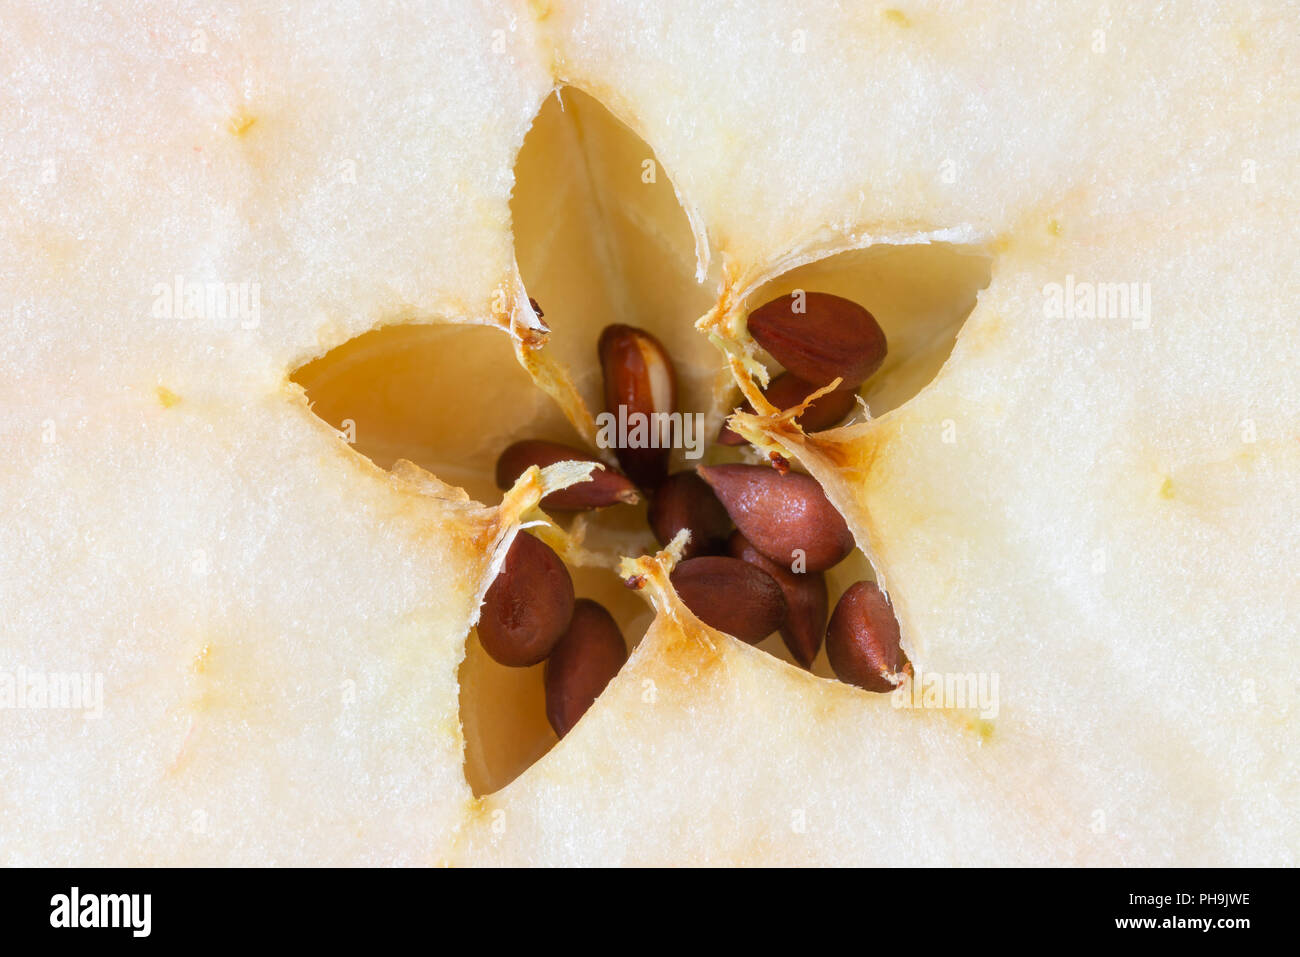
(760, 538)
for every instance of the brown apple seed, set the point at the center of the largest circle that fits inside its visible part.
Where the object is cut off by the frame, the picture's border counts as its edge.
(805, 597)
(607, 487)
(731, 596)
(639, 376)
(782, 515)
(832, 338)
(684, 500)
(528, 605)
(862, 640)
(584, 661)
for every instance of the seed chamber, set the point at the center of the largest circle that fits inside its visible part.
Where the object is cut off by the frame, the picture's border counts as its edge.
(600, 237)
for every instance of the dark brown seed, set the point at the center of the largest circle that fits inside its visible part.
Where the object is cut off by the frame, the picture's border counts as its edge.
(788, 390)
(684, 500)
(805, 597)
(606, 487)
(584, 661)
(528, 606)
(782, 514)
(639, 377)
(731, 596)
(536, 308)
(862, 639)
(832, 338)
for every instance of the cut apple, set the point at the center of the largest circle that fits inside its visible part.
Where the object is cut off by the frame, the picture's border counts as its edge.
(269, 328)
